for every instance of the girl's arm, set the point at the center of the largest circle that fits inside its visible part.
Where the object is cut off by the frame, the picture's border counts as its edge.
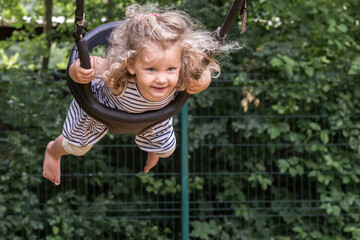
(196, 86)
(82, 75)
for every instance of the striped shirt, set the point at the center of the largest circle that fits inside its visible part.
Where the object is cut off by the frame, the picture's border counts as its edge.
(81, 130)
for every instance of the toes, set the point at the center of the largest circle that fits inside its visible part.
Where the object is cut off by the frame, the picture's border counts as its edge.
(56, 181)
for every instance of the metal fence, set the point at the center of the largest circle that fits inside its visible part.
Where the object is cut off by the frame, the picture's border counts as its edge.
(240, 166)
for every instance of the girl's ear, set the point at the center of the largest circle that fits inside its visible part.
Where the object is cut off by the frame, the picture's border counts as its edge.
(130, 67)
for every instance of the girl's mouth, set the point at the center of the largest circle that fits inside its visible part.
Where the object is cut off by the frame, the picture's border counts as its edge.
(160, 88)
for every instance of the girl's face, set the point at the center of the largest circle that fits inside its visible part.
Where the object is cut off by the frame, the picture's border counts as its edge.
(156, 70)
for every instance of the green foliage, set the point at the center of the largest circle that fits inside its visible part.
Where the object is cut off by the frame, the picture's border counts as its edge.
(159, 186)
(297, 151)
(9, 62)
(33, 111)
(287, 168)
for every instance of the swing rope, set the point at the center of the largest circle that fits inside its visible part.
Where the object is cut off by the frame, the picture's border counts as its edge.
(238, 4)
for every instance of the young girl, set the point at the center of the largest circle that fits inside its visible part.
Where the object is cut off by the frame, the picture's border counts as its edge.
(151, 56)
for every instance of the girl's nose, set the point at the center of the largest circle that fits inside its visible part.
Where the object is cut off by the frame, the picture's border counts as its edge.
(161, 78)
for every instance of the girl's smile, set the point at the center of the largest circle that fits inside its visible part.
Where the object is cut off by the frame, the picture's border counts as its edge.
(156, 70)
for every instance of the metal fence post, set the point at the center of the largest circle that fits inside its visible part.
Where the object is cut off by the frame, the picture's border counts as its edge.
(184, 174)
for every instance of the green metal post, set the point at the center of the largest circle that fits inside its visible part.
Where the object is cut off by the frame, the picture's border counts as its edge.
(184, 174)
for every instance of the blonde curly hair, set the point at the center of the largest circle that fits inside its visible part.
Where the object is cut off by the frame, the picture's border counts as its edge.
(143, 24)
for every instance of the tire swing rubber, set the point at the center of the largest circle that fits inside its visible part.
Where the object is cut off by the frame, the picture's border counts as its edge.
(117, 121)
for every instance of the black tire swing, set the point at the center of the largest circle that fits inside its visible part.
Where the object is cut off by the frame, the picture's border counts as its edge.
(117, 121)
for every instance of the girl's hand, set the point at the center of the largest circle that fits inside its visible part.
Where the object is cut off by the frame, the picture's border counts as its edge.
(79, 74)
(199, 85)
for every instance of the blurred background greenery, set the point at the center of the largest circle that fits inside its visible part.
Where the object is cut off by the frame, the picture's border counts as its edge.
(274, 144)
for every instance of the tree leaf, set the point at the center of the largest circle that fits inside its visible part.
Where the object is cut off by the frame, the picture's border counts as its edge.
(324, 136)
(273, 132)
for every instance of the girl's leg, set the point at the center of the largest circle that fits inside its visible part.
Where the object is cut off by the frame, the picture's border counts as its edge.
(51, 164)
(152, 160)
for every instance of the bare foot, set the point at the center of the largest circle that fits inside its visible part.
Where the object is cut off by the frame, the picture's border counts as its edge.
(51, 165)
(151, 161)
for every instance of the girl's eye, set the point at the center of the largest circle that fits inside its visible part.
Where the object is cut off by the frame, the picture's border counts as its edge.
(151, 69)
(171, 69)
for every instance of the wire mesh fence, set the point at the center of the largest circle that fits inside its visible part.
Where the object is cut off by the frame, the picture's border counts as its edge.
(277, 158)
(269, 158)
